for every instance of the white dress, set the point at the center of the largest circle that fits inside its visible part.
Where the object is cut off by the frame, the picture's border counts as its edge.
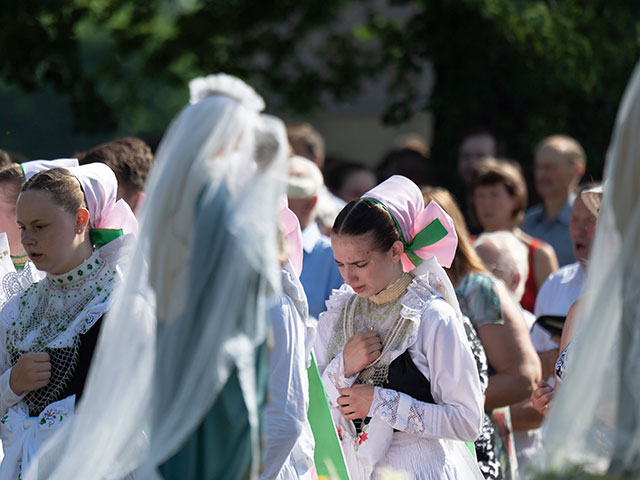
(288, 439)
(423, 440)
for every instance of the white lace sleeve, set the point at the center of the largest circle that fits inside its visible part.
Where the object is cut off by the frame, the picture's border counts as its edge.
(332, 372)
(333, 379)
(443, 355)
(407, 414)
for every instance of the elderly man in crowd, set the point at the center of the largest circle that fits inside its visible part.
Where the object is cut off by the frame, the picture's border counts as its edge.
(563, 287)
(556, 296)
(560, 163)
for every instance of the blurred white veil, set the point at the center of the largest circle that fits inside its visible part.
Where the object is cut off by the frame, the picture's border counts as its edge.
(594, 423)
(191, 306)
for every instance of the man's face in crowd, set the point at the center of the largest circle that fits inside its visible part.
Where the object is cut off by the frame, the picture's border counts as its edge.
(553, 172)
(582, 228)
(472, 149)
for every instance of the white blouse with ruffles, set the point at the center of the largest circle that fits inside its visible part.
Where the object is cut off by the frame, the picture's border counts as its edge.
(427, 441)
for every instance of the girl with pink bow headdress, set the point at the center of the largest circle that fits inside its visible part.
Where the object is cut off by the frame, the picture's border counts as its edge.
(399, 373)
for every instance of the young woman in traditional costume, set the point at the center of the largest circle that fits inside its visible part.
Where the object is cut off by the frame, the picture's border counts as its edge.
(398, 370)
(16, 271)
(48, 333)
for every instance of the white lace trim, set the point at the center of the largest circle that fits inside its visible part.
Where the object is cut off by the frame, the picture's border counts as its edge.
(399, 411)
(385, 405)
(92, 312)
(414, 302)
(335, 304)
(335, 373)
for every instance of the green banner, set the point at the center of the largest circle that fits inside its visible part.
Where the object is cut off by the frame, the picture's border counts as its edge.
(328, 453)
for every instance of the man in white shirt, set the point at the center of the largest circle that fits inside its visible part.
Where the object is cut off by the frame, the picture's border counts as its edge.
(563, 287)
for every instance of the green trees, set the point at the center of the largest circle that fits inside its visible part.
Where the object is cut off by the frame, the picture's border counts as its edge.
(524, 68)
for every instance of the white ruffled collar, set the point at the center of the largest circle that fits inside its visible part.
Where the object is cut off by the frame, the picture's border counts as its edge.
(413, 302)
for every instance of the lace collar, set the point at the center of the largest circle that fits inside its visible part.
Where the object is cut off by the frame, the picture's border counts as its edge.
(53, 312)
(393, 292)
(87, 270)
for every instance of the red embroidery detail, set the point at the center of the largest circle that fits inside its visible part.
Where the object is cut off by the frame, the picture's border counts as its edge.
(363, 438)
(339, 433)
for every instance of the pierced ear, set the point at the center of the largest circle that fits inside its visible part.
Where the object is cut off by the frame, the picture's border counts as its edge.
(82, 219)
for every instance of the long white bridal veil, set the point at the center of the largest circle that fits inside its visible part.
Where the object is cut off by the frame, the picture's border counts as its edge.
(191, 309)
(594, 423)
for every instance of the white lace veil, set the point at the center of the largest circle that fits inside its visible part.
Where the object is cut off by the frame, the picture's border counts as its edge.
(594, 422)
(207, 244)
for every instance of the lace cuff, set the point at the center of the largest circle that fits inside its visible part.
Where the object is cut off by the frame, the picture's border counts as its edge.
(428, 420)
(399, 411)
(7, 396)
(333, 379)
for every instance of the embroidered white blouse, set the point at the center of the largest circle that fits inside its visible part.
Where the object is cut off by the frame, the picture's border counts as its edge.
(437, 344)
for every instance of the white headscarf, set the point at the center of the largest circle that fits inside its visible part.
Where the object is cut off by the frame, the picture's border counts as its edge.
(100, 188)
(29, 169)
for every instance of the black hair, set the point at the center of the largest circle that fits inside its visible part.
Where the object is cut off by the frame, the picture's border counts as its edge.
(362, 216)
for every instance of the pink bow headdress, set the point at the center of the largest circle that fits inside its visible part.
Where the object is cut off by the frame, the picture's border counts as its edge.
(424, 232)
(290, 226)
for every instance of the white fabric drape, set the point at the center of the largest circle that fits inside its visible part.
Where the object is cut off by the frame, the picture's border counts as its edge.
(176, 329)
(594, 421)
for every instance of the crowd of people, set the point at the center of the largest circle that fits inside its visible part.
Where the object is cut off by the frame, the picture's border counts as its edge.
(235, 306)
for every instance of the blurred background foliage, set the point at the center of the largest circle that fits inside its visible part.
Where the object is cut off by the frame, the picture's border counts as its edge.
(75, 72)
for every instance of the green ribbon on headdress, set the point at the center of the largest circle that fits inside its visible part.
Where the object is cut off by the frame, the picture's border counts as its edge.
(102, 236)
(432, 233)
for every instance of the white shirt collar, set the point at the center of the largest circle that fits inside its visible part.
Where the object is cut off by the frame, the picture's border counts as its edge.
(310, 236)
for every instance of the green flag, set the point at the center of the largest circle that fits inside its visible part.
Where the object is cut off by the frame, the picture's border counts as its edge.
(328, 453)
